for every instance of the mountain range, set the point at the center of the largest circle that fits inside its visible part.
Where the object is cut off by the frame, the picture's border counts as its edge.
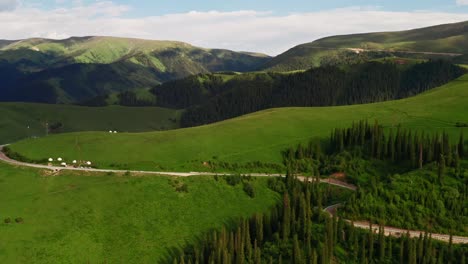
(78, 69)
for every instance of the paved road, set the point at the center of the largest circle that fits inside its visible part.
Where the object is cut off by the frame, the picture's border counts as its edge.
(389, 231)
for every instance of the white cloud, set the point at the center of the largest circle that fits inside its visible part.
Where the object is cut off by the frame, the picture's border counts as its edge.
(6, 5)
(462, 2)
(240, 30)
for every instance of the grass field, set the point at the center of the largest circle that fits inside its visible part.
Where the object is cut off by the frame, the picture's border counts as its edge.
(88, 218)
(22, 120)
(255, 137)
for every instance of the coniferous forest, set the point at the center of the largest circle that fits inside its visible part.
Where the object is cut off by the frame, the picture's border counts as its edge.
(213, 100)
(406, 179)
(209, 98)
(297, 231)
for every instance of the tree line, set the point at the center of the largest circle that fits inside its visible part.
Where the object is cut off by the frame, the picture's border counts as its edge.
(401, 145)
(214, 97)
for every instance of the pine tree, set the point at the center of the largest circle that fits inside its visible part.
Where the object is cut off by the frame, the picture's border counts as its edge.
(389, 253)
(286, 216)
(371, 241)
(461, 146)
(297, 254)
(420, 155)
(402, 250)
(381, 244)
(314, 258)
(441, 169)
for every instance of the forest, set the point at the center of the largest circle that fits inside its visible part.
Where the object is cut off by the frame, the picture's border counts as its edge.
(406, 179)
(369, 82)
(209, 98)
(298, 231)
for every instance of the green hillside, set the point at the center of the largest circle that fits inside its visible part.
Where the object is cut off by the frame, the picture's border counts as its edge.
(107, 218)
(255, 137)
(449, 38)
(22, 120)
(78, 69)
(168, 57)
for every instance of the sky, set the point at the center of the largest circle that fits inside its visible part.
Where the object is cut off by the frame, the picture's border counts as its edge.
(270, 27)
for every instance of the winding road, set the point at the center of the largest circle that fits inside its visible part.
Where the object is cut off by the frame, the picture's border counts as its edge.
(388, 230)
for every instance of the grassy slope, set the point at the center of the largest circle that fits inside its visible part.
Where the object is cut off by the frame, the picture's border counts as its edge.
(255, 137)
(16, 117)
(139, 51)
(449, 38)
(112, 219)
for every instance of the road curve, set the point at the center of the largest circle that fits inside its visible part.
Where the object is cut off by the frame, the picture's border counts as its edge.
(389, 231)
(395, 231)
(7, 159)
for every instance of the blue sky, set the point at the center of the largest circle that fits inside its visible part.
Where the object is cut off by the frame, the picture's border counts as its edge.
(264, 26)
(161, 7)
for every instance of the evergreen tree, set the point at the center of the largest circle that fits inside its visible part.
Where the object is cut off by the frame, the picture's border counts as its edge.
(286, 216)
(461, 146)
(441, 170)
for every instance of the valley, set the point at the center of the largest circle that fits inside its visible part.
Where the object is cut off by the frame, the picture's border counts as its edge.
(347, 149)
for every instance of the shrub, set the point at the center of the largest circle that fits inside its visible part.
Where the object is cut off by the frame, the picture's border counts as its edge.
(461, 124)
(19, 220)
(249, 189)
(277, 184)
(182, 188)
(233, 180)
(7, 220)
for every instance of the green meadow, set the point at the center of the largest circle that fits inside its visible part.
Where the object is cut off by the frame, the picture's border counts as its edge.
(255, 137)
(24, 120)
(108, 218)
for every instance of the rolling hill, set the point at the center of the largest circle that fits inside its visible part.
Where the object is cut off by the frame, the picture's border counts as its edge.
(77, 69)
(24, 120)
(258, 137)
(448, 41)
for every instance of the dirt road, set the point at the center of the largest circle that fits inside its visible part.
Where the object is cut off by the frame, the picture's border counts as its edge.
(389, 231)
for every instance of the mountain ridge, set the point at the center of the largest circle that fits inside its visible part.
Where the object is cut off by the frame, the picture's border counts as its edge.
(446, 38)
(46, 66)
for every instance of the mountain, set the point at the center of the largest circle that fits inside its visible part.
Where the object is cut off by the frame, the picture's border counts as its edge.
(449, 41)
(167, 57)
(4, 43)
(76, 69)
